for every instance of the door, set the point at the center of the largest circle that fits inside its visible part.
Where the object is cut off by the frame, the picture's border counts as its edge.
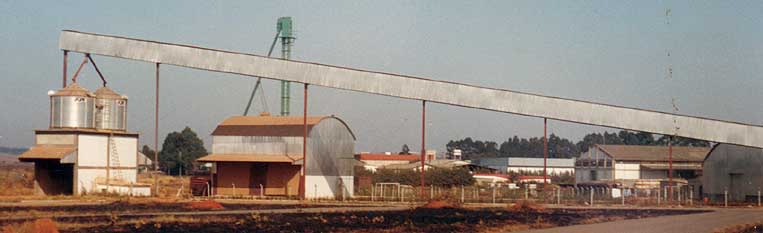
(258, 179)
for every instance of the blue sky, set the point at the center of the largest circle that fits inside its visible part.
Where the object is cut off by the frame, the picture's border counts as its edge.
(604, 51)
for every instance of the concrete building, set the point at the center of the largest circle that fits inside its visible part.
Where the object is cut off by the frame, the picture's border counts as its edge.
(638, 166)
(732, 168)
(87, 148)
(262, 155)
(529, 165)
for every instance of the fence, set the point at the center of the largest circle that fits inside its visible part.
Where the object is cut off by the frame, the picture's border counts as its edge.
(677, 195)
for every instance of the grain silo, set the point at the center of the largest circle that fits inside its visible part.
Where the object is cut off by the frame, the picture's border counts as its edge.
(86, 148)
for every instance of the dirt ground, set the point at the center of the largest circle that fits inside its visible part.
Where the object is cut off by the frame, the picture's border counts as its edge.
(441, 219)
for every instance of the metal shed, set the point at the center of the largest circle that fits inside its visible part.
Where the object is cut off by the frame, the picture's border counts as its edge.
(262, 155)
(732, 168)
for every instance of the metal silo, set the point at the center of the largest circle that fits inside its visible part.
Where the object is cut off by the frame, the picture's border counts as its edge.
(72, 107)
(111, 110)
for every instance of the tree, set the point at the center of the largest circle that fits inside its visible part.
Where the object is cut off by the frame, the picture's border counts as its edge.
(405, 150)
(148, 152)
(179, 150)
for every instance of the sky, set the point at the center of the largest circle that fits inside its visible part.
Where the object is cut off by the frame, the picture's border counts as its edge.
(612, 52)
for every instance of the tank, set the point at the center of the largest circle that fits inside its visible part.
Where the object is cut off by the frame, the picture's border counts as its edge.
(72, 107)
(111, 110)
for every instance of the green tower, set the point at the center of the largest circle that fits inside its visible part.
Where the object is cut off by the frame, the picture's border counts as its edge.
(284, 27)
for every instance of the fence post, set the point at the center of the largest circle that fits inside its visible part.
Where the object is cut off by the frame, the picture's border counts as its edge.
(462, 193)
(725, 198)
(658, 196)
(558, 196)
(591, 204)
(622, 196)
(526, 192)
(493, 194)
(691, 196)
(431, 192)
(758, 196)
(679, 195)
(234, 189)
(372, 192)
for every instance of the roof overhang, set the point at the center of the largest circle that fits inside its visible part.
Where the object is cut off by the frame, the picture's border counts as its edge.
(49, 152)
(251, 158)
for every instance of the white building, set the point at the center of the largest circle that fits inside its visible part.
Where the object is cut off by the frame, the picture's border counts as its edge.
(634, 165)
(523, 165)
(374, 161)
(86, 148)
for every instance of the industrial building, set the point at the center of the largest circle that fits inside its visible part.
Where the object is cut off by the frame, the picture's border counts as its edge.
(372, 161)
(638, 166)
(86, 148)
(529, 165)
(262, 155)
(732, 168)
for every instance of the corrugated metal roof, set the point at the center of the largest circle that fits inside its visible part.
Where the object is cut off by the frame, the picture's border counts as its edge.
(654, 153)
(363, 157)
(248, 158)
(280, 126)
(46, 152)
(665, 166)
(270, 120)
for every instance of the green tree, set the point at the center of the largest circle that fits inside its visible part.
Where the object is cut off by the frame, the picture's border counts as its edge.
(179, 150)
(148, 152)
(405, 150)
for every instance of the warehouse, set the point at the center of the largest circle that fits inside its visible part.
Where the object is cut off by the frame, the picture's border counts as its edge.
(262, 155)
(521, 165)
(638, 166)
(86, 148)
(732, 168)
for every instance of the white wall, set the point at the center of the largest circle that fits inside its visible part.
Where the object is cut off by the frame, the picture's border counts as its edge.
(550, 170)
(374, 164)
(627, 171)
(86, 179)
(127, 149)
(327, 186)
(91, 150)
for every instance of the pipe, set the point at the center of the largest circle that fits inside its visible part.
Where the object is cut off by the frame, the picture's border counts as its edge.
(74, 78)
(156, 132)
(66, 56)
(304, 145)
(545, 150)
(423, 145)
(670, 168)
(96, 68)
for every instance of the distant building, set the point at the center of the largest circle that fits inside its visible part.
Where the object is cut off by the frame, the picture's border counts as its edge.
(255, 155)
(442, 163)
(483, 178)
(371, 161)
(456, 154)
(736, 169)
(638, 166)
(532, 179)
(529, 165)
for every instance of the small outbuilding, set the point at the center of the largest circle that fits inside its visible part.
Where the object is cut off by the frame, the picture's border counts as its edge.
(732, 168)
(262, 155)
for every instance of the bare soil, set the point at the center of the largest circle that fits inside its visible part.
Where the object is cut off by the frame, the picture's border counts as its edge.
(414, 220)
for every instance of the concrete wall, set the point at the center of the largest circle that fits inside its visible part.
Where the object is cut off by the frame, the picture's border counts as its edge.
(549, 170)
(583, 174)
(92, 150)
(627, 171)
(328, 187)
(55, 139)
(734, 168)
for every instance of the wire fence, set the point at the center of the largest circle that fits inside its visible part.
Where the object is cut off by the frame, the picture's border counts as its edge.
(581, 196)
